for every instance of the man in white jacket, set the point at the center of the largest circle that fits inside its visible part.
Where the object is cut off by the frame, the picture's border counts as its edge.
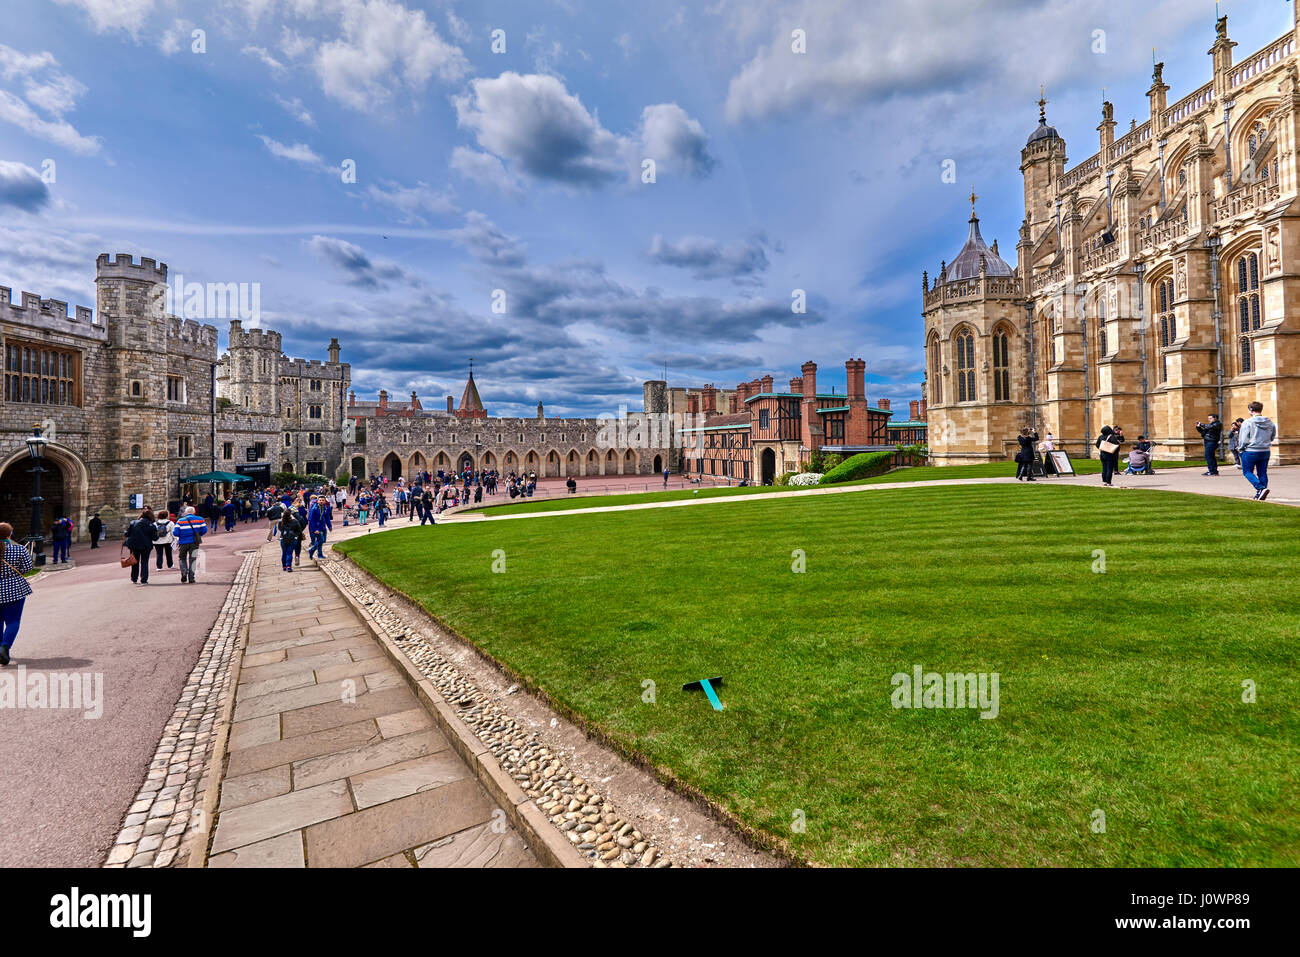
(1254, 441)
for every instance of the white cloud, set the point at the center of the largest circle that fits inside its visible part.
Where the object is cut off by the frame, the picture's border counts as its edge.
(105, 15)
(21, 187)
(45, 88)
(294, 45)
(855, 60)
(413, 203)
(675, 140)
(264, 55)
(295, 108)
(484, 168)
(458, 28)
(176, 37)
(384, 48)
(543, 129)
(298, 152)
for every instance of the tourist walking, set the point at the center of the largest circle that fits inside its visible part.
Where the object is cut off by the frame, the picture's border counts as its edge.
(14, 588)
(1108, 444)
(162, 545)
(96, 529)
(140, 536)
(1257, 434)
(290, 531)
(1211, 435)
(189, 532)
(61, 538)
(317, 529)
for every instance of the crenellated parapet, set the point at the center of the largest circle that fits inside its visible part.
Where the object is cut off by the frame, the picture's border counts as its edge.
(191, 338)
(241, 338)
(124, 266)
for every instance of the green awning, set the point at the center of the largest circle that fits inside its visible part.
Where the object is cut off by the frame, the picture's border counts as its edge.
(216, 477)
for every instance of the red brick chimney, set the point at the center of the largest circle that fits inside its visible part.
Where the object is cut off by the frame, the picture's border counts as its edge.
(914, 411)
(451, 405)
(796, 385)
(855, 374)
(923, 411)
(742, 393)
(693, 404)
(809, 370)
(415, 402)
(767, 383)
(383, 402)
(710, 400)
(883, 404)
(352, 398)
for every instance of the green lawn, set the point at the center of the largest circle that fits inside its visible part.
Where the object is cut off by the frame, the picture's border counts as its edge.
(1119, 691)
(924, 473)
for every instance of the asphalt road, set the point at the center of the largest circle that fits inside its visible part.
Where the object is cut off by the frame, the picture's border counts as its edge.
(66, 781)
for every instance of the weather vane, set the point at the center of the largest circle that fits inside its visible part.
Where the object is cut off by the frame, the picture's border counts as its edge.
(973, 197)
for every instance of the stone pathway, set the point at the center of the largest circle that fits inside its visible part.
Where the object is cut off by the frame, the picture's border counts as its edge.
(331, 760)
(165, 807)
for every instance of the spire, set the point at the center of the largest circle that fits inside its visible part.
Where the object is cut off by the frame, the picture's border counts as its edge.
(471, 406)
(973, 198)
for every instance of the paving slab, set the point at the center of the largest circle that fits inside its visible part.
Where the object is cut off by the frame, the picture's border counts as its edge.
(331, 760)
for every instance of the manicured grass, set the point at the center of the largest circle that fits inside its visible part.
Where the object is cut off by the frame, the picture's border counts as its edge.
(1119, 691)
(924, 473)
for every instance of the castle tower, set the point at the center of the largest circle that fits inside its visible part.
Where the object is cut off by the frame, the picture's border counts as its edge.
(471, 406)
(253, 370)
(1042, 162)
(655, 396)
(130, 299)
(977, 350)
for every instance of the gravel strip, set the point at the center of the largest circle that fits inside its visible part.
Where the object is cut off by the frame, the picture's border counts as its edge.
(169, 803)
(593, 824)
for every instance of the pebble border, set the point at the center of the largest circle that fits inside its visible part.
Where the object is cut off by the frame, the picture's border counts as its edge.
(593, 825)
(169, 802)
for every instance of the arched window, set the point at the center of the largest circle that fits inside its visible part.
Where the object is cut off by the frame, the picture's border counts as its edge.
(1249, 315)
(965, 367)
(1001, 366)
(135, 451)
(1167, 322)
(936, 370)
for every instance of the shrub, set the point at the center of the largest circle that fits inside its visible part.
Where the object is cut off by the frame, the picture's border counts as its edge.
(343, 478)
(785, 478)
(806, 478)
(862, 465)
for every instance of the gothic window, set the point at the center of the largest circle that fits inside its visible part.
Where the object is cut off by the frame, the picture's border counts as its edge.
(1167, 322)
(1001, 366)
(936, 370)
(315, 385)
(1249, 317)
(175, 388)
(183, 447)
(1105, 346)
(314, 411)
(135, 451)
(965, 367)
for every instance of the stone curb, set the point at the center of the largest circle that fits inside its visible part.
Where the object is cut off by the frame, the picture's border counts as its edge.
(549, 844)
(202, 838)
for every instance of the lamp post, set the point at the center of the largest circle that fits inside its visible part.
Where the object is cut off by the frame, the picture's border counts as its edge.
(36, 448)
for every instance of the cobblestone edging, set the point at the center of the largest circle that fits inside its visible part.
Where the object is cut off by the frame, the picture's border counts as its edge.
(169, 802)
(593, 825)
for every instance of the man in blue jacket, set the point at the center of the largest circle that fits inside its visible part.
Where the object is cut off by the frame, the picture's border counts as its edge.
(317, 527)
(189, 532)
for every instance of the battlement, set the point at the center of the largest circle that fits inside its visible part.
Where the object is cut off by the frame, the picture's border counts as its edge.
(123, 266)
(312, 368)
(32, 309)
(189, 332)
(255, 338)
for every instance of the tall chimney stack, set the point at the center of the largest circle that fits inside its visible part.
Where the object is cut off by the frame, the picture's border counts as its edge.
(855, 372)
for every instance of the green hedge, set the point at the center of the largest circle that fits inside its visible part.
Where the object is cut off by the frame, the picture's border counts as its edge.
(862, 465)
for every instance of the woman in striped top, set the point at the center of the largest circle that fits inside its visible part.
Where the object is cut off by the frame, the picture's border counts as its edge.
(14, 587)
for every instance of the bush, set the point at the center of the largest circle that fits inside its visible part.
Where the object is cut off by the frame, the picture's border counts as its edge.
(785, 478)
(343, 478)
(281, 479)
(806, 478)
(821, 462)
(862, 465)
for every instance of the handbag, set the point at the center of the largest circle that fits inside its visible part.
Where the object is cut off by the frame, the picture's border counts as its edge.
(129, 558)
(1109, 447)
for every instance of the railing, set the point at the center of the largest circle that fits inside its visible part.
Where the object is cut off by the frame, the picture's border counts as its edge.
(1103, 257)
(1243, 201)
(992, 287)
(1073, 177)
(1129, 141)
(1162, 233)
(1262, 62)
(1188, 106)
(1048, 278)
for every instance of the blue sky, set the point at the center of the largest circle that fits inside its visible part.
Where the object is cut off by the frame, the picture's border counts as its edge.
(521, 171)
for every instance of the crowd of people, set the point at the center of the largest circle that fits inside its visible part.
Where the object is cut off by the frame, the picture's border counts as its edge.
(1249, 441)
